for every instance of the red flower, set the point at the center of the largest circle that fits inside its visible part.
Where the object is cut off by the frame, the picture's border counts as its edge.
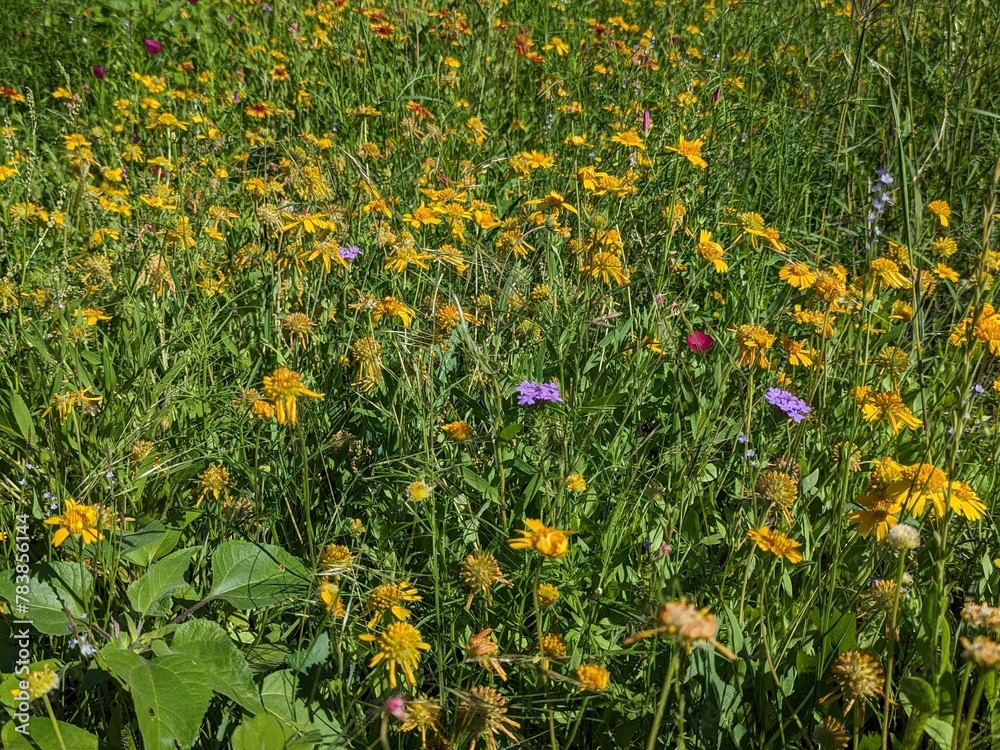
(699, 342)
(153, 47)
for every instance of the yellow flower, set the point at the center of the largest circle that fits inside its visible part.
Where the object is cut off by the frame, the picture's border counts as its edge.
(392, 307)
(776, 543)
(92, 316)
(798, 275)
(214, 479)
(400, 645)
(754, 341)
(41, 682)
(887, 272)
(282, 386)
(388, 597)
(888, 406)
(403, 256)
(941, 209)
(690, 150)
(546, 540)
(422, 216)
(799, 354)
(944, 272)
(592, 677)
(558, 45)
(878, 514)
(66, 402)
(630, 139)
(418, 491)
(608, 266)
(76, 519)
(711, 251)
(329, 595)
(458, 431)
(75, 141)
(547, 594)
(576, 483)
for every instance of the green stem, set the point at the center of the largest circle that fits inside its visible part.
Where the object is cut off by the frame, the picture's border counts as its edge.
(958, 706)
(576, 724)
(55, 724)
(970, 715)
(891, 635)
(664, 694)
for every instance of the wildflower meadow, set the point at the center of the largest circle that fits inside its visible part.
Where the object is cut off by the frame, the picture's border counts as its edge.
(451, 374)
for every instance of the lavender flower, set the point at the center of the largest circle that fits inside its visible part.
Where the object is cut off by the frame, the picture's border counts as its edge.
(794, 407)
(531, 392)
(349, 252)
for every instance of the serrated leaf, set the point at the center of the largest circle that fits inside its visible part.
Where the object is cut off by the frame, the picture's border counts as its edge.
(249, 575)
(170, 693)
(225, 665)
(150, 594)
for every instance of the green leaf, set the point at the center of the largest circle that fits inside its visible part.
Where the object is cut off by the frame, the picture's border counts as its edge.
(280, 699)
(918, 696)
(150, 594)
(170, 693)
(939, 730)
(22, 415)
(57, 592)
(256, 575)
(149, 543)
(809, 481)
(225, 665)
(266, 732)
(307, 658)
(509, 432)
(42, 736)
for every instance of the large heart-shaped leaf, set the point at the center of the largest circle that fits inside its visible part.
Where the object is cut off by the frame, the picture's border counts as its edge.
(171, 694)
(225, 666)
(256, 575)
(42, 736)
(150, 594)
(57, 594)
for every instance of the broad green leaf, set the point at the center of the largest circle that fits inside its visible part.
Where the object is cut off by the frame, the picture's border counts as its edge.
(149, 543)
(42, 736)
(940, 731)
(281, 699)
(150, 594)
(307, 658)
(170, 693)
(918, 696)
(256, 575)
(266, 732)
(224, 664)
(57, 593)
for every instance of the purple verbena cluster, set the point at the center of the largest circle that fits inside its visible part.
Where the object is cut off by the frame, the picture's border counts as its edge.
(794, 407)
(530, 393)
(349, 252)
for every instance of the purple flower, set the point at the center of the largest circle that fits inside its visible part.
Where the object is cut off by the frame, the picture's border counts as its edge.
(531, 392)
(349, 252)
(99, 72)
(153, 47)
(794, 407)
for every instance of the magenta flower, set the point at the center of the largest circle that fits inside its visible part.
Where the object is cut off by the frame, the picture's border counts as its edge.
(396, 707)
(699, 342)
(153, 47)
(99, 72)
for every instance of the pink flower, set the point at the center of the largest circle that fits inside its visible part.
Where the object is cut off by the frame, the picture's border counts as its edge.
(99, 72)
(647, 122)
(153, 47)
(396, 706)
(699, 342)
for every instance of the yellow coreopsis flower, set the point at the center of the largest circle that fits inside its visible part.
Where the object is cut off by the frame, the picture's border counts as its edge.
(690, 150)
(400, 645)
(422, 216)
(888, 406)
(798, 275)
(77, 518)
(776, 543)
(282, 386)
(711, 251)
(546, 540)
(941, 209)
